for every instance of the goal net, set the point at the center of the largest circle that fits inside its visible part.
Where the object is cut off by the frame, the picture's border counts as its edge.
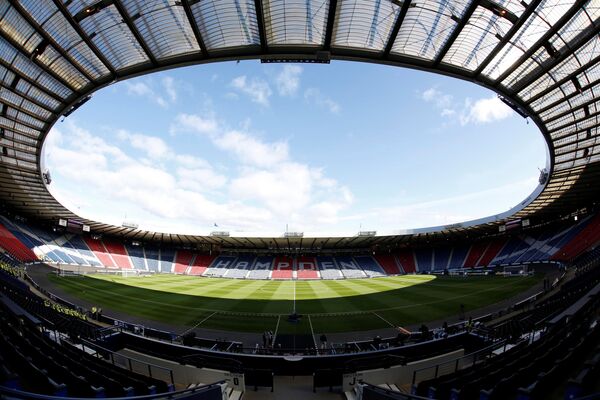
(517, 270)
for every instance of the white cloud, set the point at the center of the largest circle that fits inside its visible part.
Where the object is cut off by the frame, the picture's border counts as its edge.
(315, 96)
(441, 100)
(288, 80)
(266, 188)
(137, 87)
(169, 85)
(153, 146)
(256, 89)
(247, 148)
(481, 111)
(486, 110)
(251, 150)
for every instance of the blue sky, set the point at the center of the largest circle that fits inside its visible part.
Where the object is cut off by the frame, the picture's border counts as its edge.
(254, 147)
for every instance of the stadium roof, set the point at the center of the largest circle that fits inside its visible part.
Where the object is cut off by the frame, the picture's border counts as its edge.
(541, 56)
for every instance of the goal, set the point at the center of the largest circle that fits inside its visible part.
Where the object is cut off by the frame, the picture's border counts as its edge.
(517, 270)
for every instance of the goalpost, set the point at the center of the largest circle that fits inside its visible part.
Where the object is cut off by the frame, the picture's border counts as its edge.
(517, 270)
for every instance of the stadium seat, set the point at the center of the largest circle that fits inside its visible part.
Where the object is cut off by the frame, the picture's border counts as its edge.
(475, 253)
(388, 263)
(328, 269)
(200, 264)
(182, 261)
(262, 268)
(11, 244)
(241, 267)
(100, 252)
(167, 256)
(349, 267)
(307, 268)
(283, 268)
(406, 259)
(118, 254)
(369, 266)
(220, 266)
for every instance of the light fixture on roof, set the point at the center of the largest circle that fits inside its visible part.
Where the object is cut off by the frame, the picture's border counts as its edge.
(577, 85)
(41, 47)
(551, 50)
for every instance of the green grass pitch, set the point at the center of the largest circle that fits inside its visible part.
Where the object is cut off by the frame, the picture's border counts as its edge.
(326, 305)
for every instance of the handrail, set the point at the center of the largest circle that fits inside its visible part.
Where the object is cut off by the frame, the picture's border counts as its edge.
(18, 394)
(129, 359)
(456, 361)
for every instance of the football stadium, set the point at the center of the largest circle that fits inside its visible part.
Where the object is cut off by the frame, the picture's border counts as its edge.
(505, 306)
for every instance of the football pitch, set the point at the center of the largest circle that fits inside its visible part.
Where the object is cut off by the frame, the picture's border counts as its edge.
(326, 306)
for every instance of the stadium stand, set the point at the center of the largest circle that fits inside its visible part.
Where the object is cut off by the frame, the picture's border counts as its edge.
(14, 246)
(220, 266)
(118, 254)
(136, 254)
(200, 264)
(492, 251)
(475, 253)
(369, 266)
(406, 259)
(182, 261)
(349, 267)
(100, 252)
(262, 268)
(328, 268)
(283, 268)
(424, 259)
(441, 257)
(388, 263)
(306, 268)
(588, 237)
(152, 258)
(167, 257)
(458, 256)
(241, 266)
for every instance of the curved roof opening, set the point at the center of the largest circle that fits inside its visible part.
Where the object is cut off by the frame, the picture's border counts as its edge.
(250, 147)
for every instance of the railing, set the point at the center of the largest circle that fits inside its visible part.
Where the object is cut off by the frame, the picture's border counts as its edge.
(130, 363)
(452, 366)
(193, 393)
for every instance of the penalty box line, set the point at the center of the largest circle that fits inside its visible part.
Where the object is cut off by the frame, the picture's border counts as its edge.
(198, 324)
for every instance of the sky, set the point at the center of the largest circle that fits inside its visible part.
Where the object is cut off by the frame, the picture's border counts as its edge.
(260, 148)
